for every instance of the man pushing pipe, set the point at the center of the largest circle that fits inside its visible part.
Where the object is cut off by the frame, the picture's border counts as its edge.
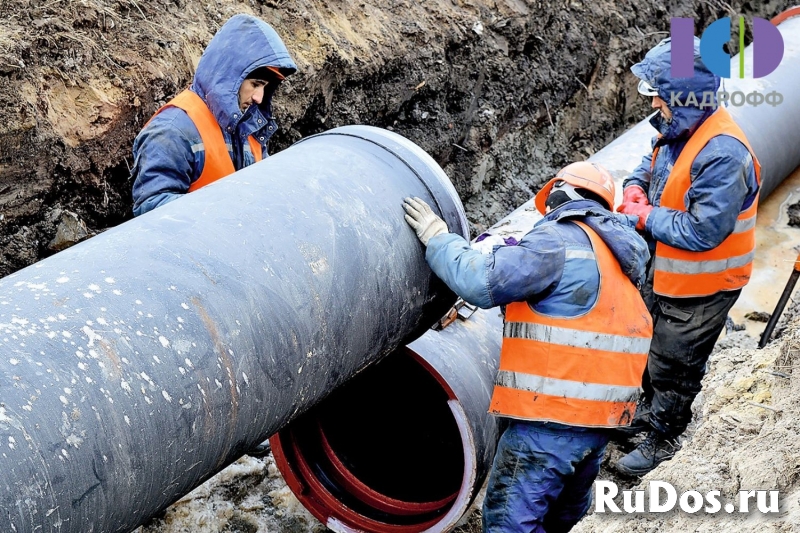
(572, 358)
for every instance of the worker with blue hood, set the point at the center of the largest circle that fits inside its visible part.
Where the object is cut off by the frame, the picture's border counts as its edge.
(221, 124)
(695, 197)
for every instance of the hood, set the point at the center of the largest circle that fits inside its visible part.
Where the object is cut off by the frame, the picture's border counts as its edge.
(243, 44)
(617, 231)
(655, 70)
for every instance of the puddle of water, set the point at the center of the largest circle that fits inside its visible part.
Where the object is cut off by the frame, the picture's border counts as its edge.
(777, 247)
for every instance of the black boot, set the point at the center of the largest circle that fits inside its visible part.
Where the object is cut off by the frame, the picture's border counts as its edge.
(654, 450)
(260, 450)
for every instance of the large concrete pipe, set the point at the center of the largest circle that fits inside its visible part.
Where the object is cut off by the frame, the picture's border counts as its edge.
(406, 446)
(139, 363)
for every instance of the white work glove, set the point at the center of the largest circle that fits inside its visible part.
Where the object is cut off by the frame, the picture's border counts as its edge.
(423, 220)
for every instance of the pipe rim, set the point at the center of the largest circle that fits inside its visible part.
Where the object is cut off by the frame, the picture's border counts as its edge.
(428, 171)
(329, 510)
(785, 15)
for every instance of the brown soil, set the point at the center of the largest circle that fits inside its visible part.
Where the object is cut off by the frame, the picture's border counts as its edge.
(747, 437)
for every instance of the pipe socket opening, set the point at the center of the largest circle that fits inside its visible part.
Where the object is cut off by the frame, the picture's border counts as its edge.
(383, 453)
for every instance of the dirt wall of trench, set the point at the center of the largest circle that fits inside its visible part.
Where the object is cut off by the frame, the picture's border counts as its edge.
(501, 92)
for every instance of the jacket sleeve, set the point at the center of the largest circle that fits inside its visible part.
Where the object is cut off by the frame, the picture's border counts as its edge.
(723, 179)
(164, 165)
(508, 274)
(155, 201)
(640, 176)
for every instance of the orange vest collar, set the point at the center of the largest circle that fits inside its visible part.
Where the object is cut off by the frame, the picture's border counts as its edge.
(218, 163)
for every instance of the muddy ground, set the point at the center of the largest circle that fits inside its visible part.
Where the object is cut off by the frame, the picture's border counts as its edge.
(501, 93)
(746, 437)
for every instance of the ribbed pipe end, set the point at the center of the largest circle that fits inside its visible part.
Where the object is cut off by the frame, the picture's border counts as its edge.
(389, 452)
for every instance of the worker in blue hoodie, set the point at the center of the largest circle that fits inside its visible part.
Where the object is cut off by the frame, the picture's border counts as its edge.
(572, 357)
(221, 124)
(695, 195)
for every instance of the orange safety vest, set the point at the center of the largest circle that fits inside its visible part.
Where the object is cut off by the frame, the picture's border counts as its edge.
(218, 163)
(683, 273)
(580, 371)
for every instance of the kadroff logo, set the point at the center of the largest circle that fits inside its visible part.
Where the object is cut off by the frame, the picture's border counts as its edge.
(767, 47)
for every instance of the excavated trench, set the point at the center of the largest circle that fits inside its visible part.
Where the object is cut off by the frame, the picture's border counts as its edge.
(501, 94)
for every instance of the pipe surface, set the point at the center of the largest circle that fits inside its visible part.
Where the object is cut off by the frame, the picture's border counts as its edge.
(139, 363)
(462, 358)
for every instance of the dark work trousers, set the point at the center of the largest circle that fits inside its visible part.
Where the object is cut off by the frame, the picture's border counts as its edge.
(542, 476)
(685, 331)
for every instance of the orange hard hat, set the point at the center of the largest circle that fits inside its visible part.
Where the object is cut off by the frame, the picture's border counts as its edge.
(581, 175)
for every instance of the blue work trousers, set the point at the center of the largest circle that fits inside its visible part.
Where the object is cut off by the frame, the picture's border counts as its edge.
(541, 479)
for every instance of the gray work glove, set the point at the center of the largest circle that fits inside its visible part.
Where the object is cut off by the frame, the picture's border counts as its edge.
(423, 220)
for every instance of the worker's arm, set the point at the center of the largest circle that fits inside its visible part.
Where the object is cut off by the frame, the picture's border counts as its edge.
(641, 176)
(723, 184)
(509, 274)
(164, 163)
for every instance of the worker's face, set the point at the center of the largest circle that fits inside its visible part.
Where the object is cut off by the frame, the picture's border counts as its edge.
(662, 106)
(251, 93)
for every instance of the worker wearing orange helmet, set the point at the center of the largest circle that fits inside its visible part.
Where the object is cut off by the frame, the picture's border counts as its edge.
(572, 358)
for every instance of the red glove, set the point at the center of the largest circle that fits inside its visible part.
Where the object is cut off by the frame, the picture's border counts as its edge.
(640, 210)
(633, 194)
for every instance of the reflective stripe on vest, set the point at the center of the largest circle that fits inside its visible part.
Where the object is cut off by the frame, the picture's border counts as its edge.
(218, 163)
(566, 388)
(581, 371)
(576, 338)
(683, 273)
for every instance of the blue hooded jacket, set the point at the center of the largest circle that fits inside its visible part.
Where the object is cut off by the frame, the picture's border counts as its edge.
(540, 269)
(723, 176)
(167, 153)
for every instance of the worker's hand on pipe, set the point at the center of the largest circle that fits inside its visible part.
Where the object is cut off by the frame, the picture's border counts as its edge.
(633, 194)
(423, 220)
